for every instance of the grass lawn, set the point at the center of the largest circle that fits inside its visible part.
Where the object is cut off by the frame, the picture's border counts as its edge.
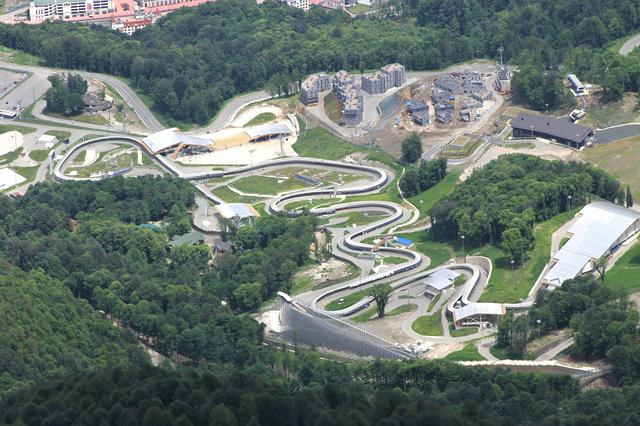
(39, 154)
(18, 57)
(511, 285)
(348, 300)
(465, 331)
(331, 107)
(424, 243)
(79, 158)
(10, 156)
(364, 315)
(91, 119)
(261, 119)
(61, 135)
(29, 173)
(610, 114)
(621, 159)
(425, 200)
(320, 143)
(434, 301)
(122, 160)
(403, 309)
(231, 197)
(357, 218)
(468, 353)
(625, 273)
(500, 353)
(267, 185)
(460, 279)
(394, 260)
(521, 145)
(313, 203)
(428, 325)
(22, 129)
(468, 149)
(360, 8)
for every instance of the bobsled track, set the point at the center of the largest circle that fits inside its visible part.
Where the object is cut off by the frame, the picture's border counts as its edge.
(303, 321)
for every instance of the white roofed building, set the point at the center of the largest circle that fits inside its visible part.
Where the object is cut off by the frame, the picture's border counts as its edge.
(601, 227)
(240, 213)
(173, 141)
(439, 281)
(477, 313)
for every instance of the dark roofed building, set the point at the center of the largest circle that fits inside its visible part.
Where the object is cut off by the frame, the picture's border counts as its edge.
(561, 130)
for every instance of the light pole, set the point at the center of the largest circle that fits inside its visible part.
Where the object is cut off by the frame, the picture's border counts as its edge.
(569, 198)
(512, 262)
(251, 159)
(546, 109)
(463, 255)
(531, 131)
(538, 321)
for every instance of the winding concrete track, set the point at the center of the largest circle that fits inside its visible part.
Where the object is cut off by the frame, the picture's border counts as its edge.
(349, 246)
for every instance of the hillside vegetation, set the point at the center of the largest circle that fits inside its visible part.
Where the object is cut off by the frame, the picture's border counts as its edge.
(194, 59)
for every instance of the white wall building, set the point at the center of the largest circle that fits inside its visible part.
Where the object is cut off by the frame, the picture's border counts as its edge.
(42, 10)
(600, 229)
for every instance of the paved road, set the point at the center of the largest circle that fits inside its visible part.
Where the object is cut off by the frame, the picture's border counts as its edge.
(555, 351)
(36, 85)
(629, 45)
(484, 347)
(614, 133)
(8, 17)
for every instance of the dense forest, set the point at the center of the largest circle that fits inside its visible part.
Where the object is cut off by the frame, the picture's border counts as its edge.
(501, 202)
(604, 324)
(304, 390)
(46, 331)
(194, 59)
(85, 240)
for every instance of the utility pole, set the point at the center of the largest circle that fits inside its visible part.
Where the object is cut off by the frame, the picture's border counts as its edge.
(500, 50)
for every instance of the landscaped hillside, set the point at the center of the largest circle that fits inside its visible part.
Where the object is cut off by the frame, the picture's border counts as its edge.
(191, 61)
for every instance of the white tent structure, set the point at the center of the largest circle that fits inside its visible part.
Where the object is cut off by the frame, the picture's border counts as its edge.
(600, 229)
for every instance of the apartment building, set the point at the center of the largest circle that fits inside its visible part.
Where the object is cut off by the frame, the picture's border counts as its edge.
(299, 4)
(350, 97)
(397, 73)
(377, 83)
(313, 86)
(42, 10)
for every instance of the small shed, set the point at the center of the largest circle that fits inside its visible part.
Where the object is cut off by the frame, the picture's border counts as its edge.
(405, 242)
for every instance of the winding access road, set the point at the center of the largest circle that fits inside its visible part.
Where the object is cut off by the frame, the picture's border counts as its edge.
(630, 45)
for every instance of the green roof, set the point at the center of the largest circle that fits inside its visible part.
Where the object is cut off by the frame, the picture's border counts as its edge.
(192, 237)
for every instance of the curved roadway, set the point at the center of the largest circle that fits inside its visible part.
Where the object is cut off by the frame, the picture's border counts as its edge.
(629, 45)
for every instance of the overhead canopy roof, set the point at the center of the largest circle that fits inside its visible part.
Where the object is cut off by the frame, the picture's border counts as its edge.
(477, 309)
(556, 127)
(264, 130)
(236, 210)
(599, 226)
(169, 138)
(441, 279)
